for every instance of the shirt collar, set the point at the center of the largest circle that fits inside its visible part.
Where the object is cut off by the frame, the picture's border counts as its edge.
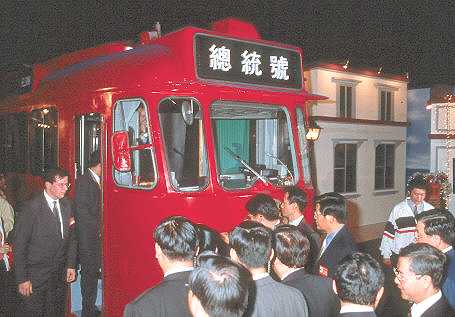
(418, 309)
(355, 308)
(260, 276)
(447, 249)
(96, 177)
(297, 221)
(332, 235)
(50, 200)
(178, 270)
(290, 272)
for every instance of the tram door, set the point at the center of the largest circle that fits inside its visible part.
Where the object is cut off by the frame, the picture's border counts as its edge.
(87, 142)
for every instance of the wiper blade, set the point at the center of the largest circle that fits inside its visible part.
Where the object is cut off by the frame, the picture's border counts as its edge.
(252, 170)
(281, 162)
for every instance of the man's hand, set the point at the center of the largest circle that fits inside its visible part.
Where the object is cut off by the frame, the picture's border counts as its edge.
(5, 248)
(25, 288)
(70, 275)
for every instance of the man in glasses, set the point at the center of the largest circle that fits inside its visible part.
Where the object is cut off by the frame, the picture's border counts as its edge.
(45, 248)
(419, 276)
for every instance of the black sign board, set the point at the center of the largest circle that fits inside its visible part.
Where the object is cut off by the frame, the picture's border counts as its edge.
(229, 60)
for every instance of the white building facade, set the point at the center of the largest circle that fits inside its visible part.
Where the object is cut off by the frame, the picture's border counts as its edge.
(361, 151)
(442, 135)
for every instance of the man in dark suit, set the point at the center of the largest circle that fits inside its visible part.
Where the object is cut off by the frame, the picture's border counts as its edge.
(419, 276)
(330, 215)
(291, 250)
(176, 245)
(87, 214)
(359, 283)
(251, 246)
(293, 206)
(436, 227)
(45, 249)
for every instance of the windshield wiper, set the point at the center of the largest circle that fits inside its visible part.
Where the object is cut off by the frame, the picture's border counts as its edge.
(281, 162)
(237, 158)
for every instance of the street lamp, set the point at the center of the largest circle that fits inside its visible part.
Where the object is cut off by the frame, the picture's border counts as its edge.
(313, 131)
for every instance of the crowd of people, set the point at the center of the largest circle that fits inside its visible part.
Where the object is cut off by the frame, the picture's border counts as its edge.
(271, 264)
(275, 264)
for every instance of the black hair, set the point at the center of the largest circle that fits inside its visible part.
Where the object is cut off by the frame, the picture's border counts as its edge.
(333, 204)
(210, 240)
(221, 286)
(291, 246)
(253, 244)
(358, 279)
(94, 159)
(425, 260)
(177, 238)
(264, 205)
(417, 181)
(52, 174)
(296, 195)
(438, 222)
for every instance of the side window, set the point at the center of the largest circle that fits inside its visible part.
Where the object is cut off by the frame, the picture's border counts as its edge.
(385, 105)
(13, 142)
(43, 140)
(345, 169)
(304, 149)
(384, 166)
(132, 116)
(182, 133)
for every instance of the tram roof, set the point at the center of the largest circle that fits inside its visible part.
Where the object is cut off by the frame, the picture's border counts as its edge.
(164, 63)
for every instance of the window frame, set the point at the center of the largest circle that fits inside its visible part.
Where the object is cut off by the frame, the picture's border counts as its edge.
(346, 82)
(164, 147)
(345, 143)
(385, 167)
(148, 146)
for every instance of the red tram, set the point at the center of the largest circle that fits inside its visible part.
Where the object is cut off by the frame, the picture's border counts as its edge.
(193, 123)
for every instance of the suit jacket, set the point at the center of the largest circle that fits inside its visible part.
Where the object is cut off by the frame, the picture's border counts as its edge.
(39, 250)
(439, 309)
(341, 246)
(317, 291)
(270, 298)
(87, 213)
(169, 298)
(315, 246)
(358, 314)
(448, 288)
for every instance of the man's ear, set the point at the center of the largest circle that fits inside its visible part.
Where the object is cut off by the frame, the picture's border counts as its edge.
(195, 306)
(378, 297)
(158, 251)
(334, 287)
(233, 255)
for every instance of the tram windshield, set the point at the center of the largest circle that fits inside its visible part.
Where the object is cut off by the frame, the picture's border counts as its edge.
(253, 143)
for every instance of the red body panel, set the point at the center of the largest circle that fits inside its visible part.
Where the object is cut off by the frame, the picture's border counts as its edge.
(152, 72)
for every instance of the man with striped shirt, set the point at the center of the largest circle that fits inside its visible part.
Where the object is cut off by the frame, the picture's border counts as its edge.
(400, 228)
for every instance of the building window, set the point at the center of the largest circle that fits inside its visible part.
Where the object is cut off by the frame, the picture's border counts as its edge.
(386, 105)
(345, 169)
(384, 166)
(345, 101)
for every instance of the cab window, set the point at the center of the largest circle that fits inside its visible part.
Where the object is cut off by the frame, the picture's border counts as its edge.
(132, 116)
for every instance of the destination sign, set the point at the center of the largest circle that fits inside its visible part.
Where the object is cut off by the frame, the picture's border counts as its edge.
(229, 60)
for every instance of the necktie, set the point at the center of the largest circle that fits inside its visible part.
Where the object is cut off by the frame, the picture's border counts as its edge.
(414, 210)
(55, 214)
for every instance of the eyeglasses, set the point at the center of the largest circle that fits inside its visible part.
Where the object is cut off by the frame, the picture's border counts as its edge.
(400, 276)
(63, 186)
